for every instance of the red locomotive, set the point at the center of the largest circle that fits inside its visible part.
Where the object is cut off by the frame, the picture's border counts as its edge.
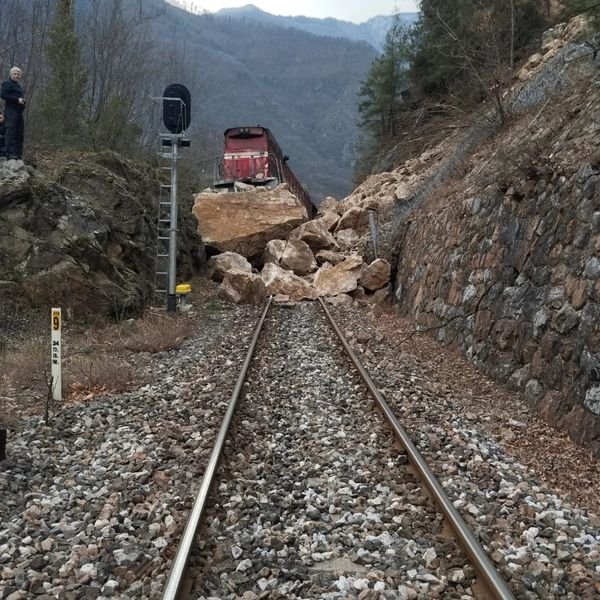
(253, 156)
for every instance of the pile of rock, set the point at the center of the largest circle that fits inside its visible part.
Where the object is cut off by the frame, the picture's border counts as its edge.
(554, 40)
(301, 259)
(318, 258)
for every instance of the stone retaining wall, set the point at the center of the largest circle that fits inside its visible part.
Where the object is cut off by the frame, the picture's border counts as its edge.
(512, 278)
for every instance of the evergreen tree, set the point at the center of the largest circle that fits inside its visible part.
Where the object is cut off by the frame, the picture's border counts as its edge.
(62, 97)
(381, 92)
(381, 97)
(460, 53)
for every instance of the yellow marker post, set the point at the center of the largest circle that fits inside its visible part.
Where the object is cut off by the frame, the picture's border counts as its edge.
(182, 290)
(56, 326)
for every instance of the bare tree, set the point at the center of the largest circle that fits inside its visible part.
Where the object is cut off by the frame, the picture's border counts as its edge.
(122, 59)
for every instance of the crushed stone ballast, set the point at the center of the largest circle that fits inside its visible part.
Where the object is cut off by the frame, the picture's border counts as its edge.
(315, 499)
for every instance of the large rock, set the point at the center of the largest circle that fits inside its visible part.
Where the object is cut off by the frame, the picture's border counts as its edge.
(356, 218)
(280, 281)
(228, 261)
(329, 256)
(315, 234)
(294, 255)
(330, 219)
(243, 288)
(329, 204)
(339, 279)
(245, 222)
(14, 182)
(376, 275)
(340, 300)
(347, 239)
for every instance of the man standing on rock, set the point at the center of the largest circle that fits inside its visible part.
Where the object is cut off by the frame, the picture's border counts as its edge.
(12, 94)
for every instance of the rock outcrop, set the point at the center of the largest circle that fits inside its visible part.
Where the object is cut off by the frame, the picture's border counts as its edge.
(14, 182)
(83, 238)
(244, 222)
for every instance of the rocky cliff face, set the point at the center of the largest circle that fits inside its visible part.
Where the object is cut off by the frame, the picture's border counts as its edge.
(81, 236)
(500, 255)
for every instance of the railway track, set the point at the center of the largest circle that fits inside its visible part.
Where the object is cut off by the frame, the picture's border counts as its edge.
(317, 497)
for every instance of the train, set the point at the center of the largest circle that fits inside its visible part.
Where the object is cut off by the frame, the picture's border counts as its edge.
(253, 156)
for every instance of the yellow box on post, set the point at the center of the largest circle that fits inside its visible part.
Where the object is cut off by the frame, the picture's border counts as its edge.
(182, 290)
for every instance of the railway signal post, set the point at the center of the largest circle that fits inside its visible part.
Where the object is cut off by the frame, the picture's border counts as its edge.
(176, 107)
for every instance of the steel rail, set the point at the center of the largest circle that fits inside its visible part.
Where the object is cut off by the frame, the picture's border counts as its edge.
(483, 565)
(176, 576)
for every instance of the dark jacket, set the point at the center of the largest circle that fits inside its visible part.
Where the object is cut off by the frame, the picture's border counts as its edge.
(10, 92)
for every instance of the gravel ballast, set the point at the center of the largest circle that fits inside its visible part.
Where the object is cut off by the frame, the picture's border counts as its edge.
(93, 505)
(314, 500)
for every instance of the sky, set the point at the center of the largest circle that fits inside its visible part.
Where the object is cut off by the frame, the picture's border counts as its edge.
(357, 11)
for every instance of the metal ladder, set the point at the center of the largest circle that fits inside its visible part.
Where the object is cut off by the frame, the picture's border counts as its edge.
(163, 228)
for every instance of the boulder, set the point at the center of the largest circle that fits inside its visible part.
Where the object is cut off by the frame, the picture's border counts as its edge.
(356, 218)
(330, 219)
(360, 297)
(14, 182)
(347, 239)
(376, 275)
(242, 288)
(339, 279)
(228, 261)
(280, 281)
(315, 234)
(329, 204)
(281, 299)
(329, 256)
(294, 255)
(245, 222)
(340, 300)
(382, 296)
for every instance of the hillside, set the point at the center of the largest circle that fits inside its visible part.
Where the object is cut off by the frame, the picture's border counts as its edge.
(300, 85)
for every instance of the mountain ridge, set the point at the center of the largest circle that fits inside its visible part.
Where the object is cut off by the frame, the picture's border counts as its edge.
(372, 30)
